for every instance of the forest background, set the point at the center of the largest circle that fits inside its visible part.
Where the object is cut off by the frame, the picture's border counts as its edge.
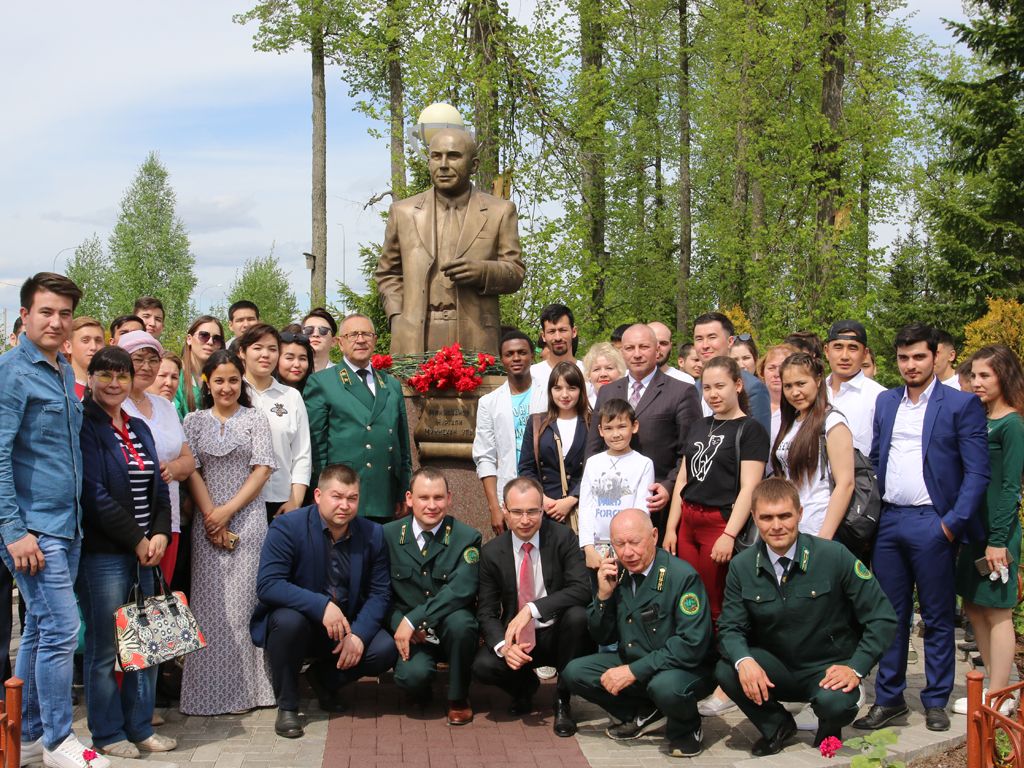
(671, 156)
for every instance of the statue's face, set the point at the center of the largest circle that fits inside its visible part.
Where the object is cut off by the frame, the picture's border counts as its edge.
(452, 161)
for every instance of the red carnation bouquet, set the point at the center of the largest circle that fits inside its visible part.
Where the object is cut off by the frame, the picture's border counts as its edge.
(449, 369)
(381, 362)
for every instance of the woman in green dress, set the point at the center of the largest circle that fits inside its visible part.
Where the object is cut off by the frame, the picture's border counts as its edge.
(986, 571)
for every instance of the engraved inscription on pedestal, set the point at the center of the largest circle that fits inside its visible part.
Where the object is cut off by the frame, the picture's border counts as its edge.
(447, 420)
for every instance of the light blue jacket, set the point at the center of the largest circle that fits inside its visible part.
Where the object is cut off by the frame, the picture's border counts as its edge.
(40, 457)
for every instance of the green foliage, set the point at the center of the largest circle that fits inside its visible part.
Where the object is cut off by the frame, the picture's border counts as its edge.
(263, 282)
(874, 750)
(149, 250)
(89, 269)
(368, 304)
(1002, 324)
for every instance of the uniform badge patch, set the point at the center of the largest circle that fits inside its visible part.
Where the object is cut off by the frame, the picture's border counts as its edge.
(471, 555)
(862, 571)
(689, 604)
(278, 409)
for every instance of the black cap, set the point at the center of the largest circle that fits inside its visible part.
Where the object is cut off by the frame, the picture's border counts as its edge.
(848, 329)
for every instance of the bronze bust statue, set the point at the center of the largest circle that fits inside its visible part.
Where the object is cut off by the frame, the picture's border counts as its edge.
(448, 254)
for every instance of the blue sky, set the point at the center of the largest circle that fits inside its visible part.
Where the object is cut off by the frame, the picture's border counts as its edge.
(93, 87)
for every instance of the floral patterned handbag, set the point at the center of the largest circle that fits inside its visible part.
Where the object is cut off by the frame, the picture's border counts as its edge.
(151, 630)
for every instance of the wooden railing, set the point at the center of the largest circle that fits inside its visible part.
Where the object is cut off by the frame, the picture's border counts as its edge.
(10, 724)
(985, 721)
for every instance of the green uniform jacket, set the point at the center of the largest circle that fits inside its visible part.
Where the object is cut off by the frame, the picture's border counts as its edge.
(666, 625)
(831, 609)
(428, 588)
(348, 425)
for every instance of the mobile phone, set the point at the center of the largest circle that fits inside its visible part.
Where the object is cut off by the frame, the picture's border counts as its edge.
(232, 540)
(982, 565)
(604, 549)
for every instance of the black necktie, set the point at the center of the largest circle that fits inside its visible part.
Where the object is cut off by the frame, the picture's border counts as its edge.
(638, 580)
(785, 562)
(428, 537)
(364, 373)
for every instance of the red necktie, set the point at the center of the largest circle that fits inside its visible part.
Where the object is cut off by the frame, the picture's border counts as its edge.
(528, 634)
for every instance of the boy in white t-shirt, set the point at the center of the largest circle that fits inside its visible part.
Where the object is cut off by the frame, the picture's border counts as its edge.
(614, 480)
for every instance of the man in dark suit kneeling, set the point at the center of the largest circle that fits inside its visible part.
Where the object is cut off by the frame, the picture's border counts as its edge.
(324, 589)
(531, 606)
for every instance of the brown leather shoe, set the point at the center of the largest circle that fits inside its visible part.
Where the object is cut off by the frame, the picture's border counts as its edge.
(459, 712)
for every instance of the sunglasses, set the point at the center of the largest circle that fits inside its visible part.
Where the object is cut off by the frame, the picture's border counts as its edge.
(108, 377)
(295, 338)
(318, 330)
(205, 337)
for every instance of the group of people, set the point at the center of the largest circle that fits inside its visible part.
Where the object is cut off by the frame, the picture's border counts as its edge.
(622, 494)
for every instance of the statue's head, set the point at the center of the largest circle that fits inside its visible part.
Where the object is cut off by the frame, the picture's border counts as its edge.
(452, 161)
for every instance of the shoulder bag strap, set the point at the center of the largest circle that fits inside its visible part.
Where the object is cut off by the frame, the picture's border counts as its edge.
(536, 441)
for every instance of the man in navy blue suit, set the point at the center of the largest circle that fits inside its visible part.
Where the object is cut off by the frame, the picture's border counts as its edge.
(930, 453)
(323, 587)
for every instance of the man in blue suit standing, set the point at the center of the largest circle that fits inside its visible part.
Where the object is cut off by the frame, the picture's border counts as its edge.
(323, 587)
(930, 453)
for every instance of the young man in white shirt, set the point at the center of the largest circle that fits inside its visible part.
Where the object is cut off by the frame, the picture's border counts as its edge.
(664, 336)
(501, 418)
(849, 390)
(945, 360)
(559, 333)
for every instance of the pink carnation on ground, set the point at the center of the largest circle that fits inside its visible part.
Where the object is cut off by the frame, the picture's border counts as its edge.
(830, 746)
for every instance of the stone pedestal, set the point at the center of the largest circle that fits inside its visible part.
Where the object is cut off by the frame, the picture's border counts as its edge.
(441, 430)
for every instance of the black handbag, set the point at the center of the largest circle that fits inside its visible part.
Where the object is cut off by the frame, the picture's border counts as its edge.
(860, 523)
(749, 536)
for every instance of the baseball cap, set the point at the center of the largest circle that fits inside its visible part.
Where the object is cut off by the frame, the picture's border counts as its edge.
(850, 330)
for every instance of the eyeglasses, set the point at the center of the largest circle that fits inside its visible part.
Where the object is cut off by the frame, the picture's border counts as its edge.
(108, 377)
(520, 513)
(205, 337)
(356, 335)
(294, 338)
(146, 362)
(318, 330)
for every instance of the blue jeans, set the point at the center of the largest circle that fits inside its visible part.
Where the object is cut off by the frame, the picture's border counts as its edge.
(48, 640)
(104, 584)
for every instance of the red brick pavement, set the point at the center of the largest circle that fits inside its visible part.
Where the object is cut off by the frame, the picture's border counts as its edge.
(379, 732)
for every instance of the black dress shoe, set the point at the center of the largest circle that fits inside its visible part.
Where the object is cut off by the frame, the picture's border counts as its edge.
(565, 726)
(879, 716)
(288, 724)
(936, 719)
(765, 746)
(521, 705)
(328, 700)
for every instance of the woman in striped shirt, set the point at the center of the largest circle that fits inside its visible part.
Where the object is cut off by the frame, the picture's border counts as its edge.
(126, 525)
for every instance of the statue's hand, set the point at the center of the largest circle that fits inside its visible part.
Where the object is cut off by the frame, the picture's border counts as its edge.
(465, 272)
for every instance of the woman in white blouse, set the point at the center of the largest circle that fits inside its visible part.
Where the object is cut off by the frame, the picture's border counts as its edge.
(814, 446)
(260, 349)
(173, 452)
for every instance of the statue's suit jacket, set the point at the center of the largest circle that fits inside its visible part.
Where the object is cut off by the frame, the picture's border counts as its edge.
(490, 234)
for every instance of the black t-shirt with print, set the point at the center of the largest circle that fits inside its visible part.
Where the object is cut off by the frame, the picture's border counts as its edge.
(712, 469)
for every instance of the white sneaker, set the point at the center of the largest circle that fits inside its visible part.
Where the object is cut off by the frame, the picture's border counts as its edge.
(69, 755)
(545, 673)
(806, 720)
(32, 751)
(713, 706)
(1006, 708)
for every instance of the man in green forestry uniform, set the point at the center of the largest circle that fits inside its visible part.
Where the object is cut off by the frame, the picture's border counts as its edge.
(434, 578)
(656, 609)
(357, 417)
(803, 620)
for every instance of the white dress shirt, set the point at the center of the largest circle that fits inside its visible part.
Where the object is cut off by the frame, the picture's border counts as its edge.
(790, 553)
(953, 381)
(539, 590)
(856, 399)
(904, 471)
(645, 382)
(417, 532)
(675, 373)
(369, 379)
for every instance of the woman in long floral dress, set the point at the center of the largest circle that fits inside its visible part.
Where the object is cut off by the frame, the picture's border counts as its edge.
(235, 457)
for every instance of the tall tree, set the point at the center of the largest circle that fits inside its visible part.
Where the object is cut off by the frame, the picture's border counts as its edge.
(149, 249)
(311, 24)
(89, 268)
(978, 219)
(263, 282)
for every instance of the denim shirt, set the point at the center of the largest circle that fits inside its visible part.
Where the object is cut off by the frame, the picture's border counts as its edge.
(40, 457)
